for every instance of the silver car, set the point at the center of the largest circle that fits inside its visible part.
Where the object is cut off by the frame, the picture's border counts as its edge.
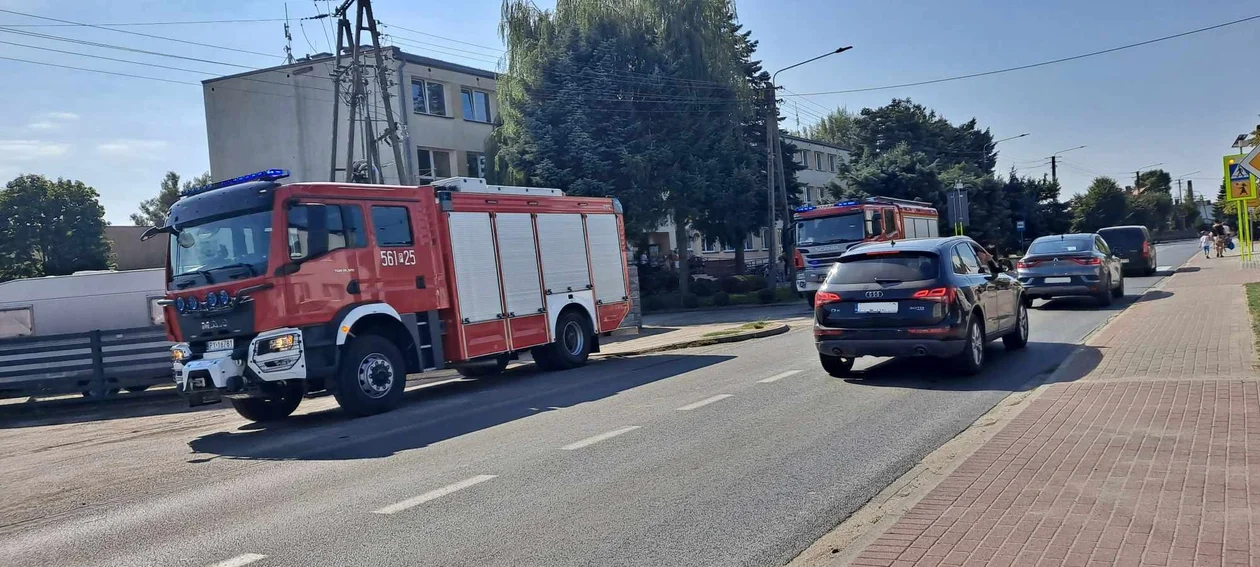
(1071, 265)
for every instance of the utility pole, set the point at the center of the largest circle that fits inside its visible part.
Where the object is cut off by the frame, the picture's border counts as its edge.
(288, 37)
(1054, 168)
(349, 38)
(772, 123)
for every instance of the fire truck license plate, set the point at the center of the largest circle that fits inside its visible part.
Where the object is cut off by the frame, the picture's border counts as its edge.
(222, 344)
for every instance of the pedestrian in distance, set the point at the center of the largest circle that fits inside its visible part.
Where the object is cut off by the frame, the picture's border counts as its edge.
(1205, 240)
(1218, 238)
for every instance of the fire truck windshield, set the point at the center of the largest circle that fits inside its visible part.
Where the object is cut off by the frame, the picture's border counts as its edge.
(829, 230)
(238, 243)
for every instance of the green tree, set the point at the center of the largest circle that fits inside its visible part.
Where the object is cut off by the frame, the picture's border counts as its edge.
(1156, 180)
(51, 228)
(642, 100)
(1103, 204)
(153, 211)
(1151, 208)
(837, 127)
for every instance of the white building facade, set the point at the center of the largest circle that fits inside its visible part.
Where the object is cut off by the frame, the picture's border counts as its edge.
(282, 117)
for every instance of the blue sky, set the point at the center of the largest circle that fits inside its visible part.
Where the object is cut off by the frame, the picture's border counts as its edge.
(1179, 102)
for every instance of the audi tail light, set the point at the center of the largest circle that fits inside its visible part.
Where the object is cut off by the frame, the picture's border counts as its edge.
(1091, 261)
(824, 297)
(798, 260)
(944, 294)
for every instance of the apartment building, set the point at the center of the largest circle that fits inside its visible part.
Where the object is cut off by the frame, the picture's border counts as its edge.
(283, 117)
(821, 161)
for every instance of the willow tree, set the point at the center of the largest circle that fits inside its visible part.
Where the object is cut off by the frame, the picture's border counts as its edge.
(639, 99)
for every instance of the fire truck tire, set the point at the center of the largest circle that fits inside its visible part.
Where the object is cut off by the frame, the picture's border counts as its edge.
(272, 408)
(372, 376)
(542, 358)
(573, 342)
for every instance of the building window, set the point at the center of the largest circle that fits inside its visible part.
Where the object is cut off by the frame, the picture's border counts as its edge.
(818, 161)
(831, 160)
(707, 247)
(433, 164)
(748, 242)
(16, 322)
(392, 225)
(476, 164)
(476, 105)
(428, 97)
(805, 159)
(765, 239)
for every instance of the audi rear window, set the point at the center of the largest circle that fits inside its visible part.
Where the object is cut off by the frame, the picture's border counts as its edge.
(884, 267)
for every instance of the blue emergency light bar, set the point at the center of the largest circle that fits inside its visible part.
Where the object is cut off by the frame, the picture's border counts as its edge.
(268, 175)
(808, 208)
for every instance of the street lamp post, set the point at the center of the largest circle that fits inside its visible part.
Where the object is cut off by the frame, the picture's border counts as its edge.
(774, 168)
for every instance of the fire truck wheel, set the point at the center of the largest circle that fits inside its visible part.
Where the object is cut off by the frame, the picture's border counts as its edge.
(272, 408)
(542, 358)
(573, 341)
(372, 376)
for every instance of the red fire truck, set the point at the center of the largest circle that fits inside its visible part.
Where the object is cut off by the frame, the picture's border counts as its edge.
(825, 232)
(276, 290)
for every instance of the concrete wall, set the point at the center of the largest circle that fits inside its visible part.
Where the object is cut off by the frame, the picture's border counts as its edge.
(282, 117)
(131, 254)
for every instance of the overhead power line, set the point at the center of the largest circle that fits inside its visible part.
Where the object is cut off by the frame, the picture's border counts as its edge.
(139, 24)
(388, 25)
(119, 47)
(1039, 64)
(150, 36)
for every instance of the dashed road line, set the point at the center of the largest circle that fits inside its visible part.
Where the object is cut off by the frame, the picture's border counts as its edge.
(597, 438)
(779, 376)
(240, 560)
(704, 402)
(434, 494)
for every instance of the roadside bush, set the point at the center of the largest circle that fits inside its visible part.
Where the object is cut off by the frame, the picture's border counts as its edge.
(690, 301)
(703, 287)
(721, 299)
(653, 303)
(658, 282)
(766, 295)
(751, 283)
(731, 284)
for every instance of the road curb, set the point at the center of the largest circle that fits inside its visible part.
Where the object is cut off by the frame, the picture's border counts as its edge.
(747, 306)
(772, 330)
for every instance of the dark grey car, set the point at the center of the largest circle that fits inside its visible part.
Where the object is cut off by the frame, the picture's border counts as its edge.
(1134, 246)
(1071, 265)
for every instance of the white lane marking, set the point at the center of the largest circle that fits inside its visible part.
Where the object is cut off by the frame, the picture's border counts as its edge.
(704, 402)
(239, 560)
(601, 437)
(433, 494)
(778, 377)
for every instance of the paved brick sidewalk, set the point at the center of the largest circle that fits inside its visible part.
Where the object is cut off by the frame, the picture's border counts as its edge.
(1152, 457)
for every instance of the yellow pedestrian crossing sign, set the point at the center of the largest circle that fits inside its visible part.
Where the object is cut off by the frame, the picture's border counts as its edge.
(1240, 185)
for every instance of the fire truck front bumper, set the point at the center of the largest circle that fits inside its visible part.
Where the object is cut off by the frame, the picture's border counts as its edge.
(273, 356)
(810, 280)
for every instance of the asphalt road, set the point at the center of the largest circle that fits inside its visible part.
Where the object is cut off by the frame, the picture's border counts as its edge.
(739, 454)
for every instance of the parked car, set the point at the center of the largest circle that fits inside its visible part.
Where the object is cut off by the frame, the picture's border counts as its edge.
(1134, 246)
(940, 297)
(1071, 265)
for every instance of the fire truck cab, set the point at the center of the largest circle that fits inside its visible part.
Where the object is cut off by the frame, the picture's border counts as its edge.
(275, 291)
(825, 232)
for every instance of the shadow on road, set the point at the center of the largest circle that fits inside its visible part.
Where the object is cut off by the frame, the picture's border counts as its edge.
(1004, 370)
(61, 412)
(436, 414)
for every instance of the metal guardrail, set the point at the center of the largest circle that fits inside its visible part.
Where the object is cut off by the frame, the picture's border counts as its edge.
(95, 363)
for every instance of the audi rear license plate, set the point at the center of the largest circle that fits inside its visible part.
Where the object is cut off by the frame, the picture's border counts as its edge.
(877, 307)
(1058, 280)
(1124, 260)
(221, 344)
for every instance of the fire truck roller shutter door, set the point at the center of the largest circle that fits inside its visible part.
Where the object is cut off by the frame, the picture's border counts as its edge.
(476, 269)
(606, 264)
(566, 269)
(518, 253)
(347, 323)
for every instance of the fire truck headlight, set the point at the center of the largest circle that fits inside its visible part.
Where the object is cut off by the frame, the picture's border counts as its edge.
(180, 353)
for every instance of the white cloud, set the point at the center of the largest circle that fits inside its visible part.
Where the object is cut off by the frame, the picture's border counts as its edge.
(131, 148)
(51, 120)
(30, 150)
